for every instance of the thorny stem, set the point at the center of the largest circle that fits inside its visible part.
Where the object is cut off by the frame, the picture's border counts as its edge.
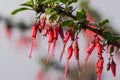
(99, 32)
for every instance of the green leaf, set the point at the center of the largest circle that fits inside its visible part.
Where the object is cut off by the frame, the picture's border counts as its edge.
(69, 9)
(67, 23)
(116, 38)
(53, 17)
(72, 1)
(18, 10)
(50, 11)
(49, 1)
(64, 1)
(107, 35)
(39, 1)
(103, 22)
(81, 14)
(30, 3)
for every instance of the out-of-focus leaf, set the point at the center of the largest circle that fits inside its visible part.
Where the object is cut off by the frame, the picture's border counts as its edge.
(71, 1)
(50, 11)
(53, 17)
(19, 10)
(30, 3)
(103, 22)
(64, 1)
(49, 1)
(67, 23)
(81, 14)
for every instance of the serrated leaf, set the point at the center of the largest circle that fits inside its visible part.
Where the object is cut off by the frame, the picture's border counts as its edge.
(103, 22)
(19, 10)
(81, 14)
(67, 23)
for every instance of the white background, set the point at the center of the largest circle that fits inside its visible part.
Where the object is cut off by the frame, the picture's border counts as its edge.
(15, 65)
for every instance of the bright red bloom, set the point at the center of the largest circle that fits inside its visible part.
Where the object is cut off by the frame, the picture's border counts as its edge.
(34, 30)
(45, 32)
(91, 48)
(99, 67)
(89, 51)
(42, 25)
(99, 48)
(55, 31)
(70, 51)
(76, 54)
(76, 50)
(34, 33)
(69, 55)
(50, 36)
(67, 36)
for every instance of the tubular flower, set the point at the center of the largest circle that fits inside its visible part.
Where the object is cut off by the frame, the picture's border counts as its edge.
(76, 54)
(67, 36)
(69, 55)
(113, 68)
(76, 50)
(61, 33)
(99, 67)
(34, 33)
(50, 40)
(99, 48)
(50, 36)
(34, 30)
(55, 30)
(42, 25)
(45, 32)
(89, 51)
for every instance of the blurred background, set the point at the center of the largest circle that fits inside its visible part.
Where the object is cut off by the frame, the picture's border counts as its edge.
(15, 43)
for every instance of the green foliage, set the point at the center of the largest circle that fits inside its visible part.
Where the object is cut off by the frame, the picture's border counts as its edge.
(54, 17)
(50, 1)
(67, 23)
(71, 1)
(39, 1)
(19, 10)
(107, 35)
(64, 1)
(56, 8)
(50, 11)
(103, 22)
(81, 14)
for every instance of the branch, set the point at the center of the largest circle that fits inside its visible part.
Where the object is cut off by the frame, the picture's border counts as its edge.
(99, 32)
